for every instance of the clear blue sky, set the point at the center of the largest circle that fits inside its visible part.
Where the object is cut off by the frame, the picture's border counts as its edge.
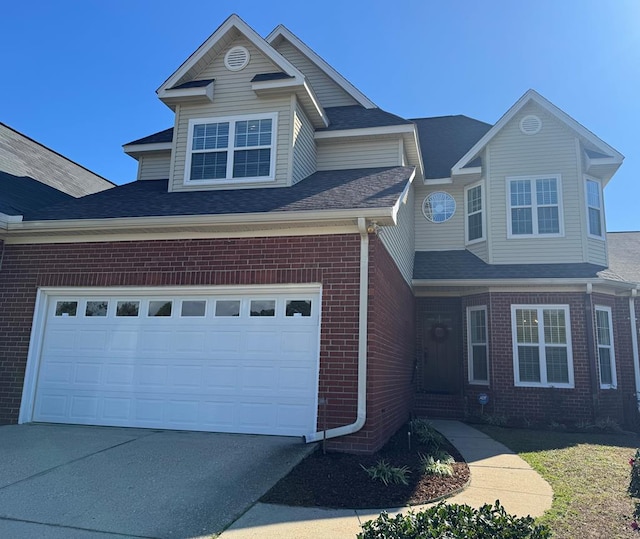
(80, 76)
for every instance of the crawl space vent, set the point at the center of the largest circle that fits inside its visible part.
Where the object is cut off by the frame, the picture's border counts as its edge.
(530, 125)
(236, 58)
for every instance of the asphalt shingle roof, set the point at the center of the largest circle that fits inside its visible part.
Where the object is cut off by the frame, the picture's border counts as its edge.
(160, 136)
(464, 265)
(271, 76)
(358, 117)
(326, 190)
(445, 139)
(193, 84)
(624, 256)
(19, 194)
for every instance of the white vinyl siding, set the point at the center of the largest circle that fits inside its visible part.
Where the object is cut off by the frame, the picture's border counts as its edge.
(542, 355)
(329, 93)
(233, 96)
(304, 147)
(154, 166)
(551, 152)
(399, 239)
(594, 202)
(606, 353)
(477, 345)
(349, 154)
(474, 207)
(449, 235)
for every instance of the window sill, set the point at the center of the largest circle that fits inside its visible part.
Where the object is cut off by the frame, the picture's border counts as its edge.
(230, 181)
(544, 386)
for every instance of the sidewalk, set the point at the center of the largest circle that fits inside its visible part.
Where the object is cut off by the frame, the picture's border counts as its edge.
(496, 474)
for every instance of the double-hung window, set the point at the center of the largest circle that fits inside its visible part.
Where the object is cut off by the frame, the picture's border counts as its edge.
(594, 208)
(535, 206)
(474, 210)
(606, 355)
(542, 354)
(240, 148)
(477, 345)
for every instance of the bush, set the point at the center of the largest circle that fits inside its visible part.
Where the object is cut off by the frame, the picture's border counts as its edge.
(383, 471)
(453, 521)
(432, 466)
(427, 435)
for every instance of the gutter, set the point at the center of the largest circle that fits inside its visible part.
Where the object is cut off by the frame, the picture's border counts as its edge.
(622, 285)
(634, 343)
(361, 415)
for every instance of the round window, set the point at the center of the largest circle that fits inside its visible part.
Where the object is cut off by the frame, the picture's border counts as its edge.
(438, 207)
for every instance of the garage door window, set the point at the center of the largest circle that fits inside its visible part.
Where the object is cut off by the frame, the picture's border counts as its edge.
(96, 308)
(193, 308)
(128, 308)
(160, 308)
(228, 308)
(296, 307)
(66, 308)
(263, 307)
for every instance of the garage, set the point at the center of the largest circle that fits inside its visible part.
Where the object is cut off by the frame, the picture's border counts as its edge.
(226, 359)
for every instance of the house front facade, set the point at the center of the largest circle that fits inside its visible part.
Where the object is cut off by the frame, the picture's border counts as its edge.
(293, 260)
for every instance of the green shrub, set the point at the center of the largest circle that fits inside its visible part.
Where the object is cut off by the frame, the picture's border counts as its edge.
(427, 435)
(383, 471)
(453, 521)
(432, 466)
(442, 456)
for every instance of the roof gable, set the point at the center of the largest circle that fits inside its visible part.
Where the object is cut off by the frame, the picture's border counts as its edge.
(228, 31)
(281, 32)
(535, 97)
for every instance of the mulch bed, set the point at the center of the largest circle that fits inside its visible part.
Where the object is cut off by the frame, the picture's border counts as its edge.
(338, 480)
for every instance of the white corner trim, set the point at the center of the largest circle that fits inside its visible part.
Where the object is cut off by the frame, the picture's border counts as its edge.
(282, 31)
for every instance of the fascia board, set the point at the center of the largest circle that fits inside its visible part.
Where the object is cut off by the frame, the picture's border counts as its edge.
(532, 95)
(130, 223)
(416, 140)
(232, 22)
(521, 282)
(365, 131)
(179, 93)
(401, 198)
(141, 148)
(438, 181)
(283, 31)
(316, 104)
(467, 170)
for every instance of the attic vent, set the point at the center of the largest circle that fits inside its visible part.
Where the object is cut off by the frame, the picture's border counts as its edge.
(530, 125)
(236, 58)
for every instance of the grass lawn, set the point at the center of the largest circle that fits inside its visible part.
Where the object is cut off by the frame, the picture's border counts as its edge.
(589, 474)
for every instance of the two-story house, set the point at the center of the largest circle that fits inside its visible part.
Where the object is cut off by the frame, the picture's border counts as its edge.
(294, 260)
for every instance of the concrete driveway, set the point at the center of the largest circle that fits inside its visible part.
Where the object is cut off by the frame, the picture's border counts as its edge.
(59, 481)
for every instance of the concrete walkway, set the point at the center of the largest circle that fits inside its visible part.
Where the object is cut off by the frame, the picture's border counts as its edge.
(496, 474)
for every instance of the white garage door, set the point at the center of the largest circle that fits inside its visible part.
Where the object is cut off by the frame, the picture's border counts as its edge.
(224, 362)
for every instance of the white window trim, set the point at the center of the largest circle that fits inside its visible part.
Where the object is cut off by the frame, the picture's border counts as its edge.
(231, 148)
(600, 209)
(534, 207)
(542, 358)
(467, 214)
(470, 345)
(614, 378)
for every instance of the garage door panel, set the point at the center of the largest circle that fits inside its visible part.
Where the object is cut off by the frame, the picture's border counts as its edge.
(202, 371)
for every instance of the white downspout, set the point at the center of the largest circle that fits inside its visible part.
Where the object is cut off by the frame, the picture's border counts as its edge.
(361, 416)
(634, 343)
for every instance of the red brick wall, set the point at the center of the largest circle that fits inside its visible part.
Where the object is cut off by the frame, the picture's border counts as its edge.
(547, 404)
(390, 354)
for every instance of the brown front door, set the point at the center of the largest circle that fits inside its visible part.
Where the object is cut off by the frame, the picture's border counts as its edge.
(441, 350)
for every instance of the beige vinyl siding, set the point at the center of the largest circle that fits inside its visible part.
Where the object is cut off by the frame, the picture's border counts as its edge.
(439, 236)
(480, 250)
(399, 239)
(154, 166)
(304, 146)
(597, 252)
(552, 151)
(362, 153)
(233, 97)
(329, 93)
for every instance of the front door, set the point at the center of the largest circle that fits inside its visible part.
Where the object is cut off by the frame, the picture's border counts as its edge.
(441, 350)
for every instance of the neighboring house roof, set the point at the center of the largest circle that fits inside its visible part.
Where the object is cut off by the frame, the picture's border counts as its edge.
(326, 190)
(359, 117)
(159, 137)
(19, 194)
(23, 157)
(624, 256)
(464, 265)
(445, 139)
